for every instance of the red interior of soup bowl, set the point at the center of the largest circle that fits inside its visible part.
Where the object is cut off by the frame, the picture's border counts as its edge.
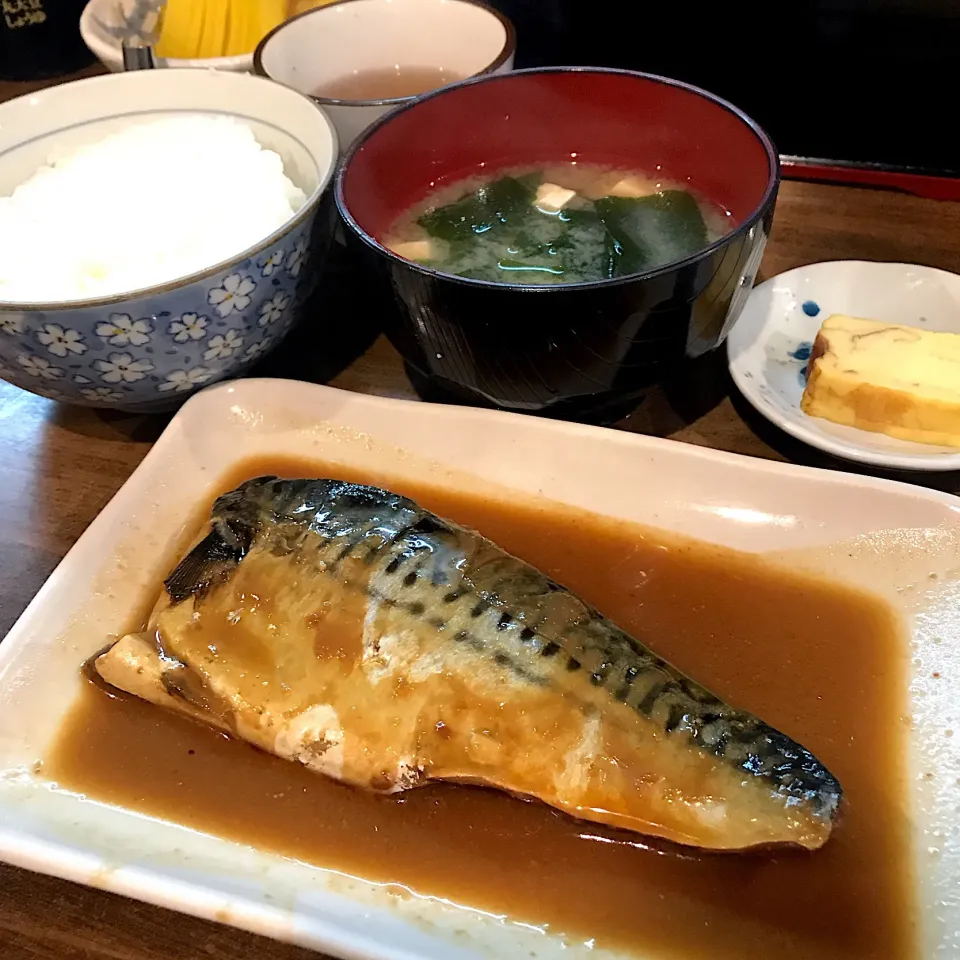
(629, 120)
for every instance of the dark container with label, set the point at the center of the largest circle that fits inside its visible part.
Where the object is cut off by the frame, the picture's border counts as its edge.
(41, 38)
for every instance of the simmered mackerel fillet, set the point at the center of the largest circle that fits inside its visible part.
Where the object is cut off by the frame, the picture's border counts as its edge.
(344, 627)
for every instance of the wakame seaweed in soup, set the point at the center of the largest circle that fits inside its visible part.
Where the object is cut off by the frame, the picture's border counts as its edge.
(571, 224)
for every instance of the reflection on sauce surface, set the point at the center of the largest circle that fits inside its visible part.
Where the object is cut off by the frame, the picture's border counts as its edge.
(823, 663)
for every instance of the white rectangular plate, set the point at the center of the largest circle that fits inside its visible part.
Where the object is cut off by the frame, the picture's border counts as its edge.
(901, 541)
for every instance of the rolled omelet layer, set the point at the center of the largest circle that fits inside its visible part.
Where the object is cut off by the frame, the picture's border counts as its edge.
(901, 381)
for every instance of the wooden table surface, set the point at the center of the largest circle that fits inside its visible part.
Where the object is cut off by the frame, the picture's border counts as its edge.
(61, 465)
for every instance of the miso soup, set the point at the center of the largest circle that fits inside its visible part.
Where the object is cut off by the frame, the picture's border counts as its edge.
(568, 223)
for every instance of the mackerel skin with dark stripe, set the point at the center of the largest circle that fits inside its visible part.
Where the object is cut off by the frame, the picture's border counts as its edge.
(458, 661)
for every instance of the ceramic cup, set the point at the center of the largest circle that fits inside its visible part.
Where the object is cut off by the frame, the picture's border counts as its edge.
(323, 46)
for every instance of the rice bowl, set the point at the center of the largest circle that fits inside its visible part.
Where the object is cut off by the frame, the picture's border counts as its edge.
(148, 348)
(195, 164)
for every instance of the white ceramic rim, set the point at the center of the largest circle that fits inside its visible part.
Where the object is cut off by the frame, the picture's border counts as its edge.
(111, 54)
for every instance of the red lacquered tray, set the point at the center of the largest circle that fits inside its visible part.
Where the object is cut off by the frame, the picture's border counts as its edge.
(904, 179)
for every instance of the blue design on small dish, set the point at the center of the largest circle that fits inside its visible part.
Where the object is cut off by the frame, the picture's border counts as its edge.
(801, 351)
(810, 307)
(803, 375)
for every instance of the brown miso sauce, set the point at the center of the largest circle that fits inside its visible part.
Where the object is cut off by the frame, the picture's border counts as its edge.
(386, 83)
(822, 662)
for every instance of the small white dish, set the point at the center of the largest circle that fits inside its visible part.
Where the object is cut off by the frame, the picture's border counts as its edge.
(900, 541)
(456, 38)
(100, 20)
(769, 346)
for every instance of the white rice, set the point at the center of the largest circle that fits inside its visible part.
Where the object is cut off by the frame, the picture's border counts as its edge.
(201, 188)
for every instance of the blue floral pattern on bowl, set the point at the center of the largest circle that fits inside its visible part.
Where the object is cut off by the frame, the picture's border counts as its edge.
(148, 352)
